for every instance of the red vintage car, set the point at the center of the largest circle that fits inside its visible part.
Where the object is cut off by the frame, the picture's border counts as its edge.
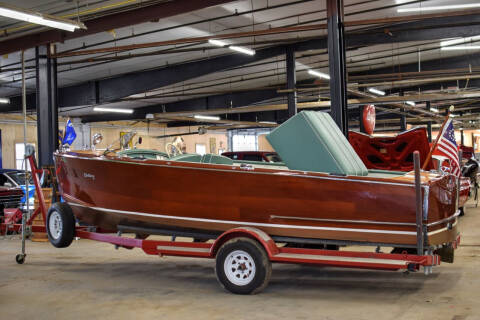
(262, 156)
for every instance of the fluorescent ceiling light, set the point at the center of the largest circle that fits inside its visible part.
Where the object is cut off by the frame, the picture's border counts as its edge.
(461, 48)
(16, 13)
(99, 109)
(4, 100)
(411, 103)
(267, 122)
(242, 50)
(376, 91)
(201, 117)
(435, 8)
(434, 109)
(217, 42)
(319, 74)
(459, 41)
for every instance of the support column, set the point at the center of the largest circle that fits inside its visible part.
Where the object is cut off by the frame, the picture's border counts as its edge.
(291, 81)
(47, 109)
(336, 64)
(429, 124)
(403, 121)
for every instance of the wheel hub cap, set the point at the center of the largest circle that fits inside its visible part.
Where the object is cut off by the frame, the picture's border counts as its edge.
(239, 268)
(55, 225)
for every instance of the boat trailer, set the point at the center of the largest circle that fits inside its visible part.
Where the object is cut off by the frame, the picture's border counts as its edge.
(233, 264)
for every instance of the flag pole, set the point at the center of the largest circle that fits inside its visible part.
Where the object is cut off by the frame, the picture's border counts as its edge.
(437, 139)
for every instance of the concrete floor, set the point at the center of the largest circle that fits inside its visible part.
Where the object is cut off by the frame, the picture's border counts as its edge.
(91, 280)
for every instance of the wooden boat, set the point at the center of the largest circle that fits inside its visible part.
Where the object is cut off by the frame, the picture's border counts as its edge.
(206, 195)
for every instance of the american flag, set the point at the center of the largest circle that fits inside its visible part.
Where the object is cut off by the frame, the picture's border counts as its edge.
(448, 147)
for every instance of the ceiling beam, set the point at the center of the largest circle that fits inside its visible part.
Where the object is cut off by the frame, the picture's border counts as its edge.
(117, 87)
(193, 106)
(178, 109)
(137, 15)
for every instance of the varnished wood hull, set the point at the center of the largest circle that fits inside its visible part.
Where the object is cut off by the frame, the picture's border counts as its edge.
(110, 191)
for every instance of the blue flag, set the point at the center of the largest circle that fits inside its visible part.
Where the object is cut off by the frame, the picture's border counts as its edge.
(70, 134)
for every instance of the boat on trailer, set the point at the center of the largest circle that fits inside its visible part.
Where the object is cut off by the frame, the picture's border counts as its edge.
(323, 196)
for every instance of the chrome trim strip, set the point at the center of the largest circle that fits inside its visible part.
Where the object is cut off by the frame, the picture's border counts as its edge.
(292, 173)
(443, 229)
(454, 216)
(243, 223)
(344, 221)
(426, 193)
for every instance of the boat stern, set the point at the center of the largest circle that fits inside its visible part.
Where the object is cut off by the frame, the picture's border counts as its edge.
(441, 215)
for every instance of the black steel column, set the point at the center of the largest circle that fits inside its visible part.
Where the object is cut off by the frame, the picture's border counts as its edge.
(47, 110)
(403, 121)
(336, 64)
(429, 124)
(291, 81)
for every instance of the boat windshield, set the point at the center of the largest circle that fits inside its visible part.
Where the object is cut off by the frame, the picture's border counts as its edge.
(19, 177)
(273, 157)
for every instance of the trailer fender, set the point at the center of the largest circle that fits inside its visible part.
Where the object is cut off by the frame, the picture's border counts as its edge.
(248, 232)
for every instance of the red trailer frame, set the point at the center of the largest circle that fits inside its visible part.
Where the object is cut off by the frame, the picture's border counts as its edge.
(276, 253)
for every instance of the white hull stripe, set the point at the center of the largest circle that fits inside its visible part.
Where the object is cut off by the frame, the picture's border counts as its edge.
(242, 223)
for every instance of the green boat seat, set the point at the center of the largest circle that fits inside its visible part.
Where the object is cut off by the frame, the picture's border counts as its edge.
(311, 141)
(216, 159)
(187, 157)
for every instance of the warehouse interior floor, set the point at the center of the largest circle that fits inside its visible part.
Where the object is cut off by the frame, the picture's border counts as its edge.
(91, 280)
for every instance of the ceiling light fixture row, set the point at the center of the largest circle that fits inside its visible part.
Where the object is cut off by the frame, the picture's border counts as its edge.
(376, 91)
(243, 50)
(202, 117)
(114, 110)
(47, 20)
(4, 100)
(319, 74)
(437, 8)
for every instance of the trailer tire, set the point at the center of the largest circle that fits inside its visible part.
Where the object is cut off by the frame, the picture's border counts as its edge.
(60, 225)
(242, 266)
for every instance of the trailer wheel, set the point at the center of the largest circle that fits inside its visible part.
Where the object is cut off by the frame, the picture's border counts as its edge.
(242, 266)
(60, 225)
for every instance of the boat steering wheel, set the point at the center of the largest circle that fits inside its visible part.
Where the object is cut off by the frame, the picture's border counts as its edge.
(172, 150)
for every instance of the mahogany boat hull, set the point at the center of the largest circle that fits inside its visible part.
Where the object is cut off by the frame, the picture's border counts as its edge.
(110, 191)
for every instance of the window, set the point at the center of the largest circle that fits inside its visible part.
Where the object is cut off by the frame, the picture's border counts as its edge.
(19, 156)
(244, 142)
(200, 148)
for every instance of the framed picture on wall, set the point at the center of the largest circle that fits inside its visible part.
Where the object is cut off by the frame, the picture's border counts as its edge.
(213, 145)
